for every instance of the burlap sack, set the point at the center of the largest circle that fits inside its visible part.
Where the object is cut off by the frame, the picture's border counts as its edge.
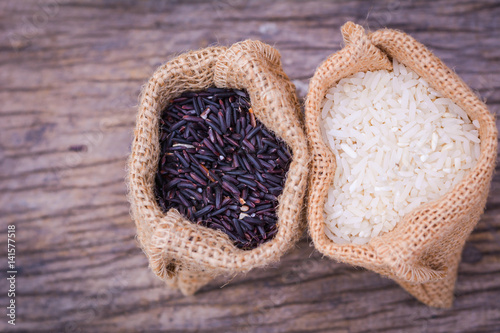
(181, 253)
(423, 251)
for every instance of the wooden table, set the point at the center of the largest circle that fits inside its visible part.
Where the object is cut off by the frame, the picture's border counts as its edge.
(70, 74)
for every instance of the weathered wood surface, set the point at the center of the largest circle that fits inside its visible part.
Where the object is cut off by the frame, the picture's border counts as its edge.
(70, 74)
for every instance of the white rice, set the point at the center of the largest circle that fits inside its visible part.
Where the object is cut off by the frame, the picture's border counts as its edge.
(398, 144)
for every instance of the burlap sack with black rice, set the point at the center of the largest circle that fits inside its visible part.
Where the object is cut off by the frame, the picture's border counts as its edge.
(423, 251)
(184, 254)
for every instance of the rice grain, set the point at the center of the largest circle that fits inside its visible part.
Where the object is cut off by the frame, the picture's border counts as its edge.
(398, 144)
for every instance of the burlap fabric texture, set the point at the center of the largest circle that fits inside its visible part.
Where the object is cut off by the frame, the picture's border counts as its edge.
(181, 253)
(423, 251)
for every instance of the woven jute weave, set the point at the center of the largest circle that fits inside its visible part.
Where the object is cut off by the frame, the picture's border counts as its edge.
(184, 254)
(423, 251)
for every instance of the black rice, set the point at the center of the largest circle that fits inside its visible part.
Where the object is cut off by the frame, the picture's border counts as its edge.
(219, 166)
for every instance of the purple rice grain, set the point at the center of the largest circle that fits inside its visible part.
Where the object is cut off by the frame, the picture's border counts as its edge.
(219, 166)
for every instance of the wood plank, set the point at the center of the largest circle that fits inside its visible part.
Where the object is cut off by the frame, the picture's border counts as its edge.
(70, 74)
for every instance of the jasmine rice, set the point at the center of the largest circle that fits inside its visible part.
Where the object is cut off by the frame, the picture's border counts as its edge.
(398, 144)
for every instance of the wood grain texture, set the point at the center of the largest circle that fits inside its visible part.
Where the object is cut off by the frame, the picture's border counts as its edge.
(70, 74)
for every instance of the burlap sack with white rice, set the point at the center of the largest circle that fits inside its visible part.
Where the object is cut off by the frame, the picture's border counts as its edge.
(182, 253)
(422, 253)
